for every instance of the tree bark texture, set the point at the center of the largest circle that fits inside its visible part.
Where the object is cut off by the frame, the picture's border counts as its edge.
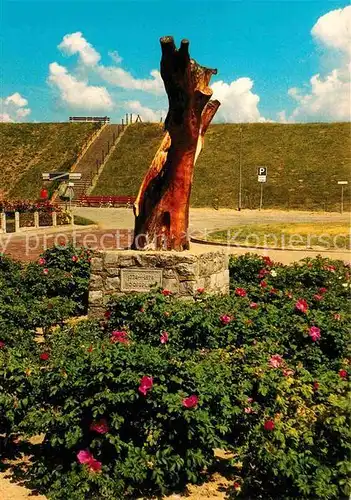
(162, 207)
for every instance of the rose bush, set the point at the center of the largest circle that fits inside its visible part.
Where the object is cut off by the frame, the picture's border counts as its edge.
(44, 293)
(121, 418)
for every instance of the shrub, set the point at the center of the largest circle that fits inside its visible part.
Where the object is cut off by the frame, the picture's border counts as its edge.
(294, 440)
(134, 404)
(152, 435)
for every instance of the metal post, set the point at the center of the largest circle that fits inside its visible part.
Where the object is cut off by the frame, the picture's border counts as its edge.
(240, 166)
(122, 122)
(131, 117)
(342, 200)
(17, 222)
(126, 118)
(261, 197)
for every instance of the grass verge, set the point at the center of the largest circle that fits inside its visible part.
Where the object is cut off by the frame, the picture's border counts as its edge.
(294, 235)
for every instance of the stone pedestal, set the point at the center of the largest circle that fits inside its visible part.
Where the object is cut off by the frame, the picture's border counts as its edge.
(129, 271)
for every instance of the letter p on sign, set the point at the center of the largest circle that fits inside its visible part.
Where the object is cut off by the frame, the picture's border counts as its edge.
(262, 171)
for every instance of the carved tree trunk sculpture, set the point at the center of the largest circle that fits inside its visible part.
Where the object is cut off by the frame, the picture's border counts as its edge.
(162, 206)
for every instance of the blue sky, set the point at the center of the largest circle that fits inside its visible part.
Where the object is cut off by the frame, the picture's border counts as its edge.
(262, 50)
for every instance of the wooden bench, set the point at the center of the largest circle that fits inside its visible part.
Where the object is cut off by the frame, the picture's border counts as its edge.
(111, 201)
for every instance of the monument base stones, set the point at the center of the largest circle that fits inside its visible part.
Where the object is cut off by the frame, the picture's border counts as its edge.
(182, 273)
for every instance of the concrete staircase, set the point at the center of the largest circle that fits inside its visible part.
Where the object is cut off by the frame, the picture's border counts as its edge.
(92, 162)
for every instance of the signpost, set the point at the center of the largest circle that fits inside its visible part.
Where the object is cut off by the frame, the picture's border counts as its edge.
(61, 176)
(342, 184)
(66, 190)
(262, 178)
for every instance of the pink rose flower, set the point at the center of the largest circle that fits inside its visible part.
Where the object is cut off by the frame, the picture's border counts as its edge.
(288, 372)
(166, 292)
(343, 373)
(262, 273)
(100, 426)
(191, 401)
(248, 410)
(44, 356)
(253, 305)
(275, 361)
(318, 297)
(337, 317)
(164, 338)
(41, 261)
(241, 292)
(74, 258)
(267, 261)
(45, 271)
(121, 337)
(301, 305)
(322, 290)
(269, 425)
(314, 333)
(85, 457)
(225, 319)
(200, 290)
(2, 344)
(249, 400)
(94, 465)
(263, 284)
(146, 384)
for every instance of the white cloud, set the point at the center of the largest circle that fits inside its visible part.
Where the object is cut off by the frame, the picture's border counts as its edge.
(75, 43)
(6, 118)
(16, 99)
(78, 94)
(146, 114)
(13, 108)
(238, 102)
(115, 56)
(23, 112)
(333, 29)
(121, 78)
(329, 96)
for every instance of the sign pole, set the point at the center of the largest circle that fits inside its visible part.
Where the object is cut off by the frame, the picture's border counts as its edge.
(261, 197)
(342, 184)
(262, 178)
(240, 166)
(342, 199)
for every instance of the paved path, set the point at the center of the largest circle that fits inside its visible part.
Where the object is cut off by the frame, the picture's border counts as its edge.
(202, 219)
(28, 246)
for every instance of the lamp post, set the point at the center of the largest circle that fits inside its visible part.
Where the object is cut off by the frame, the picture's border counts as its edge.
(240, 166)
(342, 184)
